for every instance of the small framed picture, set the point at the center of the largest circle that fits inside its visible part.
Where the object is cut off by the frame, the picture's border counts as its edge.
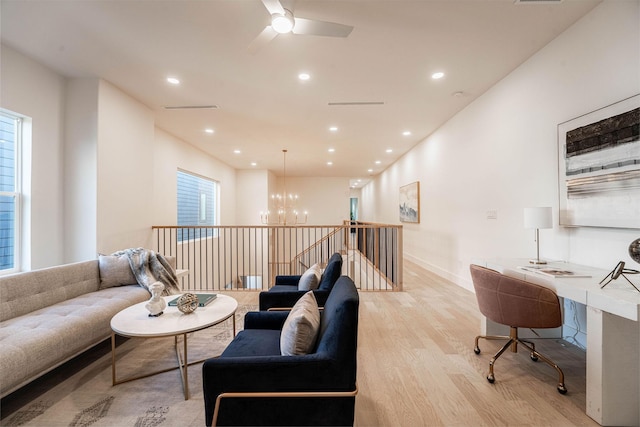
(410, 202)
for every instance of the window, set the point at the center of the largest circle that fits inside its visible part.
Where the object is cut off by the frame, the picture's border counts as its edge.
(10, 143)
(197, 205)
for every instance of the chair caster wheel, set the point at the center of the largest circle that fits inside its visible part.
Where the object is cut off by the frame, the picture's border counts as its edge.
(562, 389)
(492, 379)
(476, 350)
(534, 357)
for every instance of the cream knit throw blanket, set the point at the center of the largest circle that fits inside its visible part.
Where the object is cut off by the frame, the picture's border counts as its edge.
(149, 267)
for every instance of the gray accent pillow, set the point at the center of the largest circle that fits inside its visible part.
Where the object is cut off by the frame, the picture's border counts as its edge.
(310, 279)
(115, 271)
(301, 328)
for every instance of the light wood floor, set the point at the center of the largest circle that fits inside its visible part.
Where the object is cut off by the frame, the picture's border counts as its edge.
(416, 365)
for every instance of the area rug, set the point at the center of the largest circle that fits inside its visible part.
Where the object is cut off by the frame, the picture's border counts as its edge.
(80, 393)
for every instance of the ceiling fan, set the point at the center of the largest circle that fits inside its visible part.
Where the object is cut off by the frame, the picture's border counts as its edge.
(283, 21)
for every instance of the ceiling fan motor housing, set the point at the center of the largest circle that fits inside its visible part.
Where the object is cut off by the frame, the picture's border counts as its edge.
(283, 23)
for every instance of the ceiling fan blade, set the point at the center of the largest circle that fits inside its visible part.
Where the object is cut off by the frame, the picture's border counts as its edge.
(263, 38)
(320, 28)
(273, 6)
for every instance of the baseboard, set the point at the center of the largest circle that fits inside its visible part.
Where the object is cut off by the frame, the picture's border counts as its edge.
(454, 278)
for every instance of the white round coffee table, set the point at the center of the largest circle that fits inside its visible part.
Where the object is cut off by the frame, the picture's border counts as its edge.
(135, 321)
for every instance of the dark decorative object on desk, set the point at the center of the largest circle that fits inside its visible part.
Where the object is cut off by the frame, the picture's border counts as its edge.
(618, 271)
(634, 250)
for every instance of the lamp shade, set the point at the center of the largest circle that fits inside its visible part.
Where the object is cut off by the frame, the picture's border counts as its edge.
(538, 218)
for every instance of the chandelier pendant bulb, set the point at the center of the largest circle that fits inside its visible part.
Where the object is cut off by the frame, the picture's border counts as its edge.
(285, 202)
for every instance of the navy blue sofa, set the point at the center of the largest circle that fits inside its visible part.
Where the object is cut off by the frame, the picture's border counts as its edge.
(285, 293)
(252, 384)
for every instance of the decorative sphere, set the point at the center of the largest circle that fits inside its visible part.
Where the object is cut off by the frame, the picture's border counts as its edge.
(187, 303)
(634, 250)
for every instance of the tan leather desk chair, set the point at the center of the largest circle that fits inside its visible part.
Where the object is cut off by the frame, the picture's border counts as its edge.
(517, 304)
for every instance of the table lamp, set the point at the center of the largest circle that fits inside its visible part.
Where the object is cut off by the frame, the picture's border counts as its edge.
(538, 218)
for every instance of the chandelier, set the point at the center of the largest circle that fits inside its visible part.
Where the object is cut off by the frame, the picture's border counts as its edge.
(285, 204)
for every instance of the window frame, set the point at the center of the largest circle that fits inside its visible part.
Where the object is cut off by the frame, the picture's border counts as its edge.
(17, 191)
(216, 209)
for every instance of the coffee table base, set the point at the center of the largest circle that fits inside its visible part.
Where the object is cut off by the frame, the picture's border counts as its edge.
(183, 363)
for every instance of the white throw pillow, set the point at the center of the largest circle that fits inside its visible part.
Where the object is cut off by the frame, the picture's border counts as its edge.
(310, 279)
(301, 328)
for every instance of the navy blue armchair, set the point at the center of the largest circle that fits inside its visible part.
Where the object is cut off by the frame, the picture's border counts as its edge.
(251, 383)
(285, 293)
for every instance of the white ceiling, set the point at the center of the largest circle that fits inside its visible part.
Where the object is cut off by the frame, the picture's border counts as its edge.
(263, 108)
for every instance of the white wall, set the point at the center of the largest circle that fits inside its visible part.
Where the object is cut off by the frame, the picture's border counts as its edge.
(80, 171)
(125, 171)
(101, 173)
(30, 89)
(252, 189)
(326, 199)
(500, 154)
(171, 154)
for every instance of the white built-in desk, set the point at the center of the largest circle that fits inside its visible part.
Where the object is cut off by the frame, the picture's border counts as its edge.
(613, 336)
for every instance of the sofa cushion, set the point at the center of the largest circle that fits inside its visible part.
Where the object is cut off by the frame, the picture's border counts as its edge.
(282, 289)
(254, 342)
(331, 273)
(115, 271)
(300, 330)
(24, 292)
(310, 279)
(43, 339)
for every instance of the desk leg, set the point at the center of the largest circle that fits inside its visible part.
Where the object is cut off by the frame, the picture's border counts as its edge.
(613, 369)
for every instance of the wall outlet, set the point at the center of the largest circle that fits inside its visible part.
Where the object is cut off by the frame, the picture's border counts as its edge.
(492, 214)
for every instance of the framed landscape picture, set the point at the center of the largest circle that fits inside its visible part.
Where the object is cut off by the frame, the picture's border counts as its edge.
(410, 202)
(599, 167)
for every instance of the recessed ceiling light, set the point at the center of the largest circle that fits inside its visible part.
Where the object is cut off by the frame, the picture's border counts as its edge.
(389, 150)
(329, 163)
(333, 129)
(254, 164)
(437, 75)
(406, 133)
(209, 130)
(237, 151)
(173, 80)
(378, 162)
(304, 76)
(369, 170)
(331, 150)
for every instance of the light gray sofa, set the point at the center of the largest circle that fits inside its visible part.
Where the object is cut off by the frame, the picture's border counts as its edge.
(48, 316)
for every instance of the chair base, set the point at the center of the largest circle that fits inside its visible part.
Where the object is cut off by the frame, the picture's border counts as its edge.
(512, 341)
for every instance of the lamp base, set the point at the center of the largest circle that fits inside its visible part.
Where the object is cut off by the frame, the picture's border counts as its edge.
(537, 261)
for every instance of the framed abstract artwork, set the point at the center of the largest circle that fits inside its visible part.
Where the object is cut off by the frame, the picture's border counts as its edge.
(599, 167)
(410, 202)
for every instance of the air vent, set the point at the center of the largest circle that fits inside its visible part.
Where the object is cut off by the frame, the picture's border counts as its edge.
(537, 1)
(191, 107)
(357, 103)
